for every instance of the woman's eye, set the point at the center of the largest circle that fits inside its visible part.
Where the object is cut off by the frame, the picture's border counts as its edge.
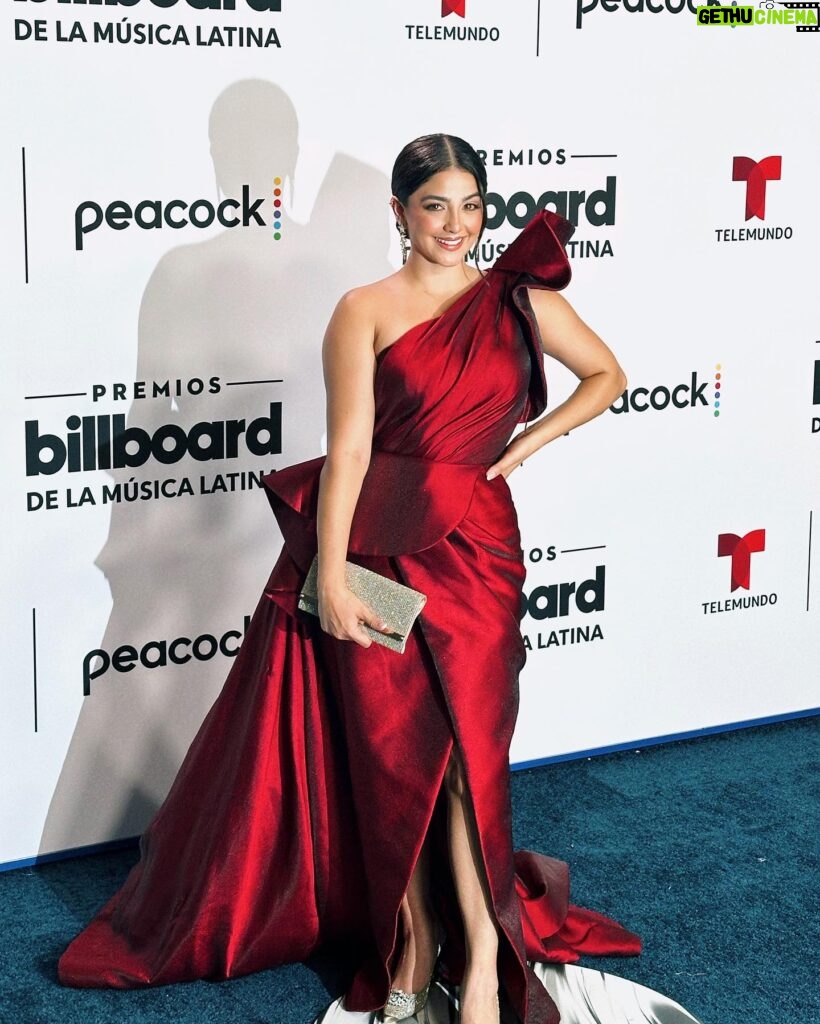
(433, 206)
(472, 206)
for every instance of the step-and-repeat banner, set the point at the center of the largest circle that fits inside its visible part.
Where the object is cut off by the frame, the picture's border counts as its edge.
(188, 188)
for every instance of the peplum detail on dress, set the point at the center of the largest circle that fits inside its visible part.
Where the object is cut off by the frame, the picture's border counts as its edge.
(406, 504)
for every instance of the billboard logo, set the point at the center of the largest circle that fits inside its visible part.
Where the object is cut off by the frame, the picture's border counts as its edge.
(740, 550)
(756, 174)
(105, 442)
(546, 607)
(595, 207)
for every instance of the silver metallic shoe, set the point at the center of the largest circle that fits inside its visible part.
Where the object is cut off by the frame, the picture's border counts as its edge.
(401, 1005)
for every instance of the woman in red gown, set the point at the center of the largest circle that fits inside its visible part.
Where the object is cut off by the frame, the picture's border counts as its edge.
(338, 791)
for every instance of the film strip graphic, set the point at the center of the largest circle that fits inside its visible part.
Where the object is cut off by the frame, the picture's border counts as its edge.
(799, 5)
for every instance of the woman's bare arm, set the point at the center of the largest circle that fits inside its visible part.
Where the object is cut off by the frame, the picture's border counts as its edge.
(568, 339)
(349, 364)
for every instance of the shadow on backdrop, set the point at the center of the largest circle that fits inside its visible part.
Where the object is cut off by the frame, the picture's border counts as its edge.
(240, 306)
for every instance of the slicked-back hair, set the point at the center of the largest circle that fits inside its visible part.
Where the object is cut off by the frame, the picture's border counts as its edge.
(429, 154)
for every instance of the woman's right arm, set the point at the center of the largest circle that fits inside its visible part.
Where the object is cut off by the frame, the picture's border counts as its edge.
(349, 362)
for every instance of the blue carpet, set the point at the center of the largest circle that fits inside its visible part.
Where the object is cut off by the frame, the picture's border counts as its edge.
(708, 848)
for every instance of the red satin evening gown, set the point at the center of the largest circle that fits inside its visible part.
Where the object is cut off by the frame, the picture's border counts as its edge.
(297, 816)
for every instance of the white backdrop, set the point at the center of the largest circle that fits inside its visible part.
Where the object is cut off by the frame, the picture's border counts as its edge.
(646, 108)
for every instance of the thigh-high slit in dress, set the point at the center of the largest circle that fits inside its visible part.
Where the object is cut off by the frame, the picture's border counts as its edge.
(302, 805)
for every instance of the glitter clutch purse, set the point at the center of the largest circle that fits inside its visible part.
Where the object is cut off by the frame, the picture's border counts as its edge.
(394, 603)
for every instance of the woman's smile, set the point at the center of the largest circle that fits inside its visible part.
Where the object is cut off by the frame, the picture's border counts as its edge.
(444, 217)
(451, 244)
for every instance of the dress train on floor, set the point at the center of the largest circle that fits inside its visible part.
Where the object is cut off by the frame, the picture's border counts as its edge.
(582, 995)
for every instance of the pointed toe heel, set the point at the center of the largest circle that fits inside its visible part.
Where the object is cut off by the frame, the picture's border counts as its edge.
(402, 1005)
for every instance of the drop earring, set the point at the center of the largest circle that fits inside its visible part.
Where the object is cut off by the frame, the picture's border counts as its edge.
(404, 240)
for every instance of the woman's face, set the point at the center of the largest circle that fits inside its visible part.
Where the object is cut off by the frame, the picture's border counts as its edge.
(443, 217)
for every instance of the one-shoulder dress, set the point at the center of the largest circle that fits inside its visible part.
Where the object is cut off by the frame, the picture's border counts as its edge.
(302, 805)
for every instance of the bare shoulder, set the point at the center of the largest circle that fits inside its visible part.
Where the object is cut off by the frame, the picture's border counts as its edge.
(352, 318)
(374, 295)
(359, 308)
(547, 301)
(556, 317)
